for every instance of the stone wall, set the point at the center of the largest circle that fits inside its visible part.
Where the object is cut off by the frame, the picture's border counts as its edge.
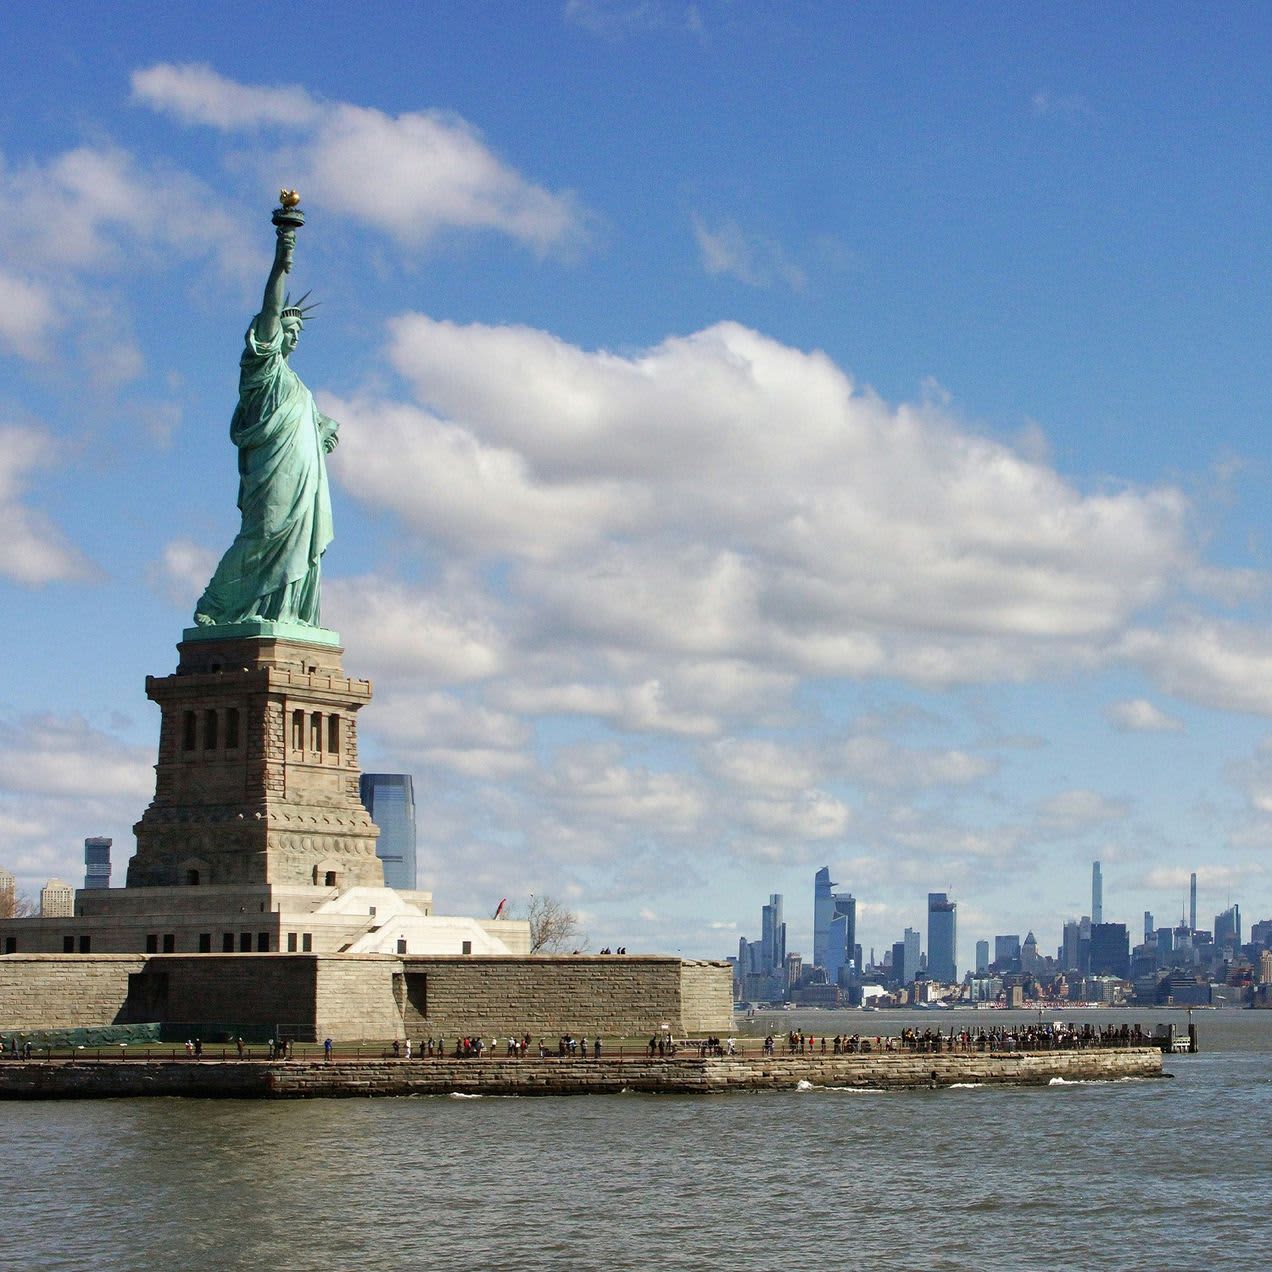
(53, 991)
(350, 997)
(358, 996)
(616, 995)
(302, 1079)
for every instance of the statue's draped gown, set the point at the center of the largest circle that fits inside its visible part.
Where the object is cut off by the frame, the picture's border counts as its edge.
(272, 568)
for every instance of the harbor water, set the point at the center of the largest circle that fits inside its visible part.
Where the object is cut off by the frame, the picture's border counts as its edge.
(1137, 1174)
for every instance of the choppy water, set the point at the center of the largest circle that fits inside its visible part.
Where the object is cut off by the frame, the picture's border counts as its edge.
(1118, 1175)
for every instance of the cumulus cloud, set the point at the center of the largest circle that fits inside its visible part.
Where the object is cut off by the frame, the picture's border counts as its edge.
(96, 207)
(1216, 662)
(424, 635)
(411, 175)
(35, 550)
(1138, 715)
(725, 497)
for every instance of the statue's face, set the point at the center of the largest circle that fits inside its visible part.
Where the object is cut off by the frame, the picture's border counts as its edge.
(291, 335)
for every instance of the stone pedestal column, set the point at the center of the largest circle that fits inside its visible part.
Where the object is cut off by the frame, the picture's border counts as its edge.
(257, 779)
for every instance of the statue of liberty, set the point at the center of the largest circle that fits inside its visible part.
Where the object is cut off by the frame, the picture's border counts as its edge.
(272, 569)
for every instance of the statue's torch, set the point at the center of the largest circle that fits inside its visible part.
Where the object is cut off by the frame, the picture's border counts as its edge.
(288, 218)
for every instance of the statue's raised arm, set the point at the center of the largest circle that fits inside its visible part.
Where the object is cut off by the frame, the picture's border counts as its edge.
(270, 575)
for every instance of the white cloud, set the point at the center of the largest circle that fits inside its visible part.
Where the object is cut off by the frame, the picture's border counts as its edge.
(761, 765)
(723, 497)
(410, 175)
(1175, 879)
(35, 551)
(28, 316)
(1047, 104)
(415, 634)
(68, 759)
(1077, 810)
(880, 764)
(1218, 663)
(1138, 715)
(95, 207)
(811, 815)
(198, 95)
(750, 258)
(591, 782)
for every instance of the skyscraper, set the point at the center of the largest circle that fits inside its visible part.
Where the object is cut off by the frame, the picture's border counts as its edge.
(942, 937)
(1097, 893)
(823, 912)
(1007, 953)
(1192, 902)
(390, 799)
(97, 862)
(773, 935)
(57, 900)
(1148, 924)
(842, 951)
(1029, 961)
(1228, 927)
(834, 927)
(1110, 950)
(982, 957)
(912, 952)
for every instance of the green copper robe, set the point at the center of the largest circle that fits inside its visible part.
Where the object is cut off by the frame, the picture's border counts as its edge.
(272, 569)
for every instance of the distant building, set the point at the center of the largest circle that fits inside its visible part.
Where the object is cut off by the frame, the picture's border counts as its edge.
(1228, 928)
(1148, 924)
(1192, 902)
(772, 933)
(942, 938)
(1007, 953)
(834, 929)
(1097, 893)
(1029, 961)
(57, 900)
(1110, 950)
(8, 894)
(97, 861)
(390, 800)
(982, 957)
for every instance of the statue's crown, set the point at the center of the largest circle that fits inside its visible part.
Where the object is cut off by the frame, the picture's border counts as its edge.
(299, 310)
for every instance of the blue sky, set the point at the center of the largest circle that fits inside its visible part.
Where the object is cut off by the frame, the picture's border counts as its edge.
(772, 436)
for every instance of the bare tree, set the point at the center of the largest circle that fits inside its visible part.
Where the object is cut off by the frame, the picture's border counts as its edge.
(15, 904)
(554, 927)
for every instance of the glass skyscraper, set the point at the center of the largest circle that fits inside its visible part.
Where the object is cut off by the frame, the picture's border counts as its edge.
(942, 937)
(97, 861)
(390, 799)
(834, 927)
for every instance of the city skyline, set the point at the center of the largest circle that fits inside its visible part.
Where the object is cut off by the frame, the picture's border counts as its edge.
(732, 480)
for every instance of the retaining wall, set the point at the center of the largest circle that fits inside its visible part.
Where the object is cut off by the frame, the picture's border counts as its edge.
(56, 1079)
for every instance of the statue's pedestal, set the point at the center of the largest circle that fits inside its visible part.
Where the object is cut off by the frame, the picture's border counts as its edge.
(270, 628)
(257, 779)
